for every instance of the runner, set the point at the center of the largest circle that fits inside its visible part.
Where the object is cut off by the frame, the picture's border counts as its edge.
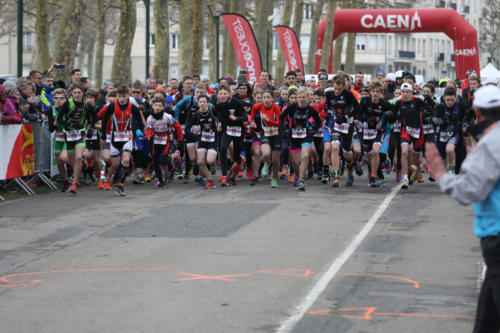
(121, 113)
(60, 150)
(231, 116)
(204, 122)
(301, 132)
(265, 118)
(344, 109)
(75, 115)
(159, 127)
(374, 110)
(92, 142)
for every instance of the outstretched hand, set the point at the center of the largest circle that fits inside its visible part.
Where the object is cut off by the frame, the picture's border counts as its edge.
(434, 161)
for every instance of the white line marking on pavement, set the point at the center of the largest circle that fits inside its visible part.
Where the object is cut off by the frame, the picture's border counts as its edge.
(300, 310)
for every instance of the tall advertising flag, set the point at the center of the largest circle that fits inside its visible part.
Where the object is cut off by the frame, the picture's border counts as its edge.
(244, 44)
(291, 48)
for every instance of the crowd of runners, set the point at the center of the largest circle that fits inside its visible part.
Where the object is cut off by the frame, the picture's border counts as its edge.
(320, 128)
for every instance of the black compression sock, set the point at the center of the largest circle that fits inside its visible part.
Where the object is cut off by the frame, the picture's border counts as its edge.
(123, 174)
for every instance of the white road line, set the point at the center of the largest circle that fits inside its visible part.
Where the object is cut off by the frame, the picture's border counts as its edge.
(299, 311)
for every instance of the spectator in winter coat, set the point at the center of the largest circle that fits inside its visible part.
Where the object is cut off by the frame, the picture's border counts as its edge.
(8, 112)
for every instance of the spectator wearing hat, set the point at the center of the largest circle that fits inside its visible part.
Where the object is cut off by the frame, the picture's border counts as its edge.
(244, 91)
(491, 81)
(479, 184)
(47, 89)
(380, 74)
(389, 86)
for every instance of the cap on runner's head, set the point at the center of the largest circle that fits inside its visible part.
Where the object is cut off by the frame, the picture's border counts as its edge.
(391, 76)
(487, 97)
(380, 70)
(406, 86)
(169, 100)
(470, 71)
(489, 81)
(292, 87)
(399, 74)
(443, 82)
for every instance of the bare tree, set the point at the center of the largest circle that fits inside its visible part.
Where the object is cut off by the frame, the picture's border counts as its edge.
(263, 28)
(235, 6)
(286, 17)
(42, 54)
(350, 53)
(197, 47)
(162, 40)
(327, 41)
(337, 53)
(121, 68)
(298, 16)
(491, 25)
(185, 38)
(318, 10)
(212, 46)
(67, 35)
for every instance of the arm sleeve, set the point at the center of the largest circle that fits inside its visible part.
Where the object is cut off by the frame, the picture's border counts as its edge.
(105, 118)
(178, 130)
(61, 113)
(479, 174)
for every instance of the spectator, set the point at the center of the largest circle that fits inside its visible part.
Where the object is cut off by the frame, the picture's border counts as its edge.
(85, 83)
(36, 77)
(358, 81)
(300, 77)
(76, 74)
(101, 100)
(26, 102)
(8, 112)
(151, 82)
(47, 89)
(196, 80)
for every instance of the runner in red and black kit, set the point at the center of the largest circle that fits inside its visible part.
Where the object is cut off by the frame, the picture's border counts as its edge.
(112, 162)
(410, 110)
(266, 119)
(345, 109)
(230, 116)
(374, 110)
(121, 113)
(301, 132)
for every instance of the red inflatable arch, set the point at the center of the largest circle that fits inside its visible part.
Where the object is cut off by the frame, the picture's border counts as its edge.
(445, 20)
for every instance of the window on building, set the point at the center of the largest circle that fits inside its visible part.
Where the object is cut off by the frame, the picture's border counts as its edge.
(372, 43)
(412, 46)
(436, 47)
(430, 47)
(442, 46)
(424, 51)
(27, 41)
(360, 42)
(308, 11)
(174, 41)
(389, 45)
(304, 41)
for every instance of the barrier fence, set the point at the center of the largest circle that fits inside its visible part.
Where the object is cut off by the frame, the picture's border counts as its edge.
(25, 155)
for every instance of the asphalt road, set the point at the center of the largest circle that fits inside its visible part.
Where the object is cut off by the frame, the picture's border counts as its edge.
(239, 259)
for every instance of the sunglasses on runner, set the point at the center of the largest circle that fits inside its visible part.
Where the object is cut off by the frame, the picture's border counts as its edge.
(323, 78)
(59, 97)
(136, 91)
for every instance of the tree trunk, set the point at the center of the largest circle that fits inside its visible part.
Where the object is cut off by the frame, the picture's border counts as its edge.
(226, 43)
(162, 49)
(185, 38)
(121, 68)
(327, 42)
(90, 60)
(280, 58)
(99, 47)
(263, 30)
(350, 53)
(298, 15)
(230, 56)
(337, 53)
(212, 46)
(197, 47)
(42, 54)
(314, 35)
(67, 36)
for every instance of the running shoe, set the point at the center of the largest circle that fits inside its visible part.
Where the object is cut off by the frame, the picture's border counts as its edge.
(201, 181)
(159, 185)
(284, 173)
(107, 187)
(310, 175)
(232, 181)
(147, 178)
(319, 175)
(139, 179)
(274, 182)
(349, 181)
(291, 177)
(100, 185)
(373, 182)
(223, 181)
(324, 180)
(358, 169)
(300, 185)
(296, 183)
(404, 184)
(249, 174)
(388, 165)
(120, 191)
(336, 182)
(398, 177)
(431, 179)
(186, 179)
(265, 170)
(253, 181)
(180, 176)
(381, 182)
(72, 188)
(240, 174)
(209, 184)
(420, 179)
(450, 171)
(413, 174)
(90, 180)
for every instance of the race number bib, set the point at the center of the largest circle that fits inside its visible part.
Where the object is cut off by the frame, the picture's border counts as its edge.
(342, 128)
(207, 136)
(60, 136)
(397, 127)
(233, 131)
(121, 136)
(73, 135)
(94, 136)
(108, 138)
(270, 131)
(299, 133)
(160, 140)
(413, 132)
(445, 136)
(320, 133)
(428, 129)
(369, 134)
(195, 129)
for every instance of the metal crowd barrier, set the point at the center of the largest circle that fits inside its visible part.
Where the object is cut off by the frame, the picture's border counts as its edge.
(42, 145)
